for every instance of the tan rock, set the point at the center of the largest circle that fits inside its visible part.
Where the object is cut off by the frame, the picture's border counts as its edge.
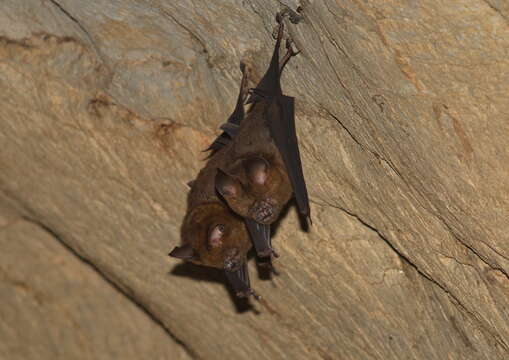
(55, 306)
(105, 107)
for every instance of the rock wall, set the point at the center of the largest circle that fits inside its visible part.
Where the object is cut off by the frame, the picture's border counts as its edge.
(402, 118)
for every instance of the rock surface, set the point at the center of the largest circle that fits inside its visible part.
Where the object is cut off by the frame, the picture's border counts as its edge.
(402, 120)
(54, 306)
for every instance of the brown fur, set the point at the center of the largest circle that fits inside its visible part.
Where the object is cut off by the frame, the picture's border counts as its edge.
(196, 230)
(254, 141)
(205, 211)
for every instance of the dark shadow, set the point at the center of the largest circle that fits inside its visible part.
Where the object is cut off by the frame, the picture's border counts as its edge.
(196, 272)
(304, 225)
(209, 274)
(284, 212)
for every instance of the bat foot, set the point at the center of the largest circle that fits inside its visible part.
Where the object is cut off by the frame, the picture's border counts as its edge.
(249, 292)
(268, 267)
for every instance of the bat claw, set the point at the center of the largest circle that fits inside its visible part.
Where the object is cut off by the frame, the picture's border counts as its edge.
(254, 294)
(249, 292)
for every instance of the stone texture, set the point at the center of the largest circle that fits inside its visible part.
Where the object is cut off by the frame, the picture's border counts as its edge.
(56, 307)
(105, 107)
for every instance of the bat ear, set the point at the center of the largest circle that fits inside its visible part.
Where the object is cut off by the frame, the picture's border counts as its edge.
(226, 185)
(257, 170)
(185, 252)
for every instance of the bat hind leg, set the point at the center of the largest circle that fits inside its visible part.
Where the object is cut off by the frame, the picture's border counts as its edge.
(290, 52)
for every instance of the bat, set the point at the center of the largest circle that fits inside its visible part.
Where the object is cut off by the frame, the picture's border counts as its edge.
(212, 235)
(260, 233)
(231, 127)
(263, 169)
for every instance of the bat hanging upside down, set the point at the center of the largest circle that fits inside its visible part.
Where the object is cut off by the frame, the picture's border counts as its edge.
(212, 235)
(263, 167)
(255, 167)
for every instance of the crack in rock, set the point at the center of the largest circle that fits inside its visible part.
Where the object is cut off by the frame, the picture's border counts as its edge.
(476, 253)
(116, 286)
(82, 28)
(454, 299)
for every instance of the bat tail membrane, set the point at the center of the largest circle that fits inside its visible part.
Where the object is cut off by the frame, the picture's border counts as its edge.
(285, 137)
(229, 128)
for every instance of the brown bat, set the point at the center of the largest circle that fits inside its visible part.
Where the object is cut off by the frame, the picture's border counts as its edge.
(263, 168)
(212, 235)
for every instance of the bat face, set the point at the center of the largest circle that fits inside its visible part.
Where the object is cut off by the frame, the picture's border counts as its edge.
(256, 187)
(214, 237)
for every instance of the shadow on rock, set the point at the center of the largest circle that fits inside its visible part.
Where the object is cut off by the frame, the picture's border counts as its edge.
(208, 274)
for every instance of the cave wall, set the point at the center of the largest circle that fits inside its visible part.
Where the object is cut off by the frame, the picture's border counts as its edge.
(106, 106)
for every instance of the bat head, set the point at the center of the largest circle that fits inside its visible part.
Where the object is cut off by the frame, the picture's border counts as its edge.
(213, 236)
(255, 188)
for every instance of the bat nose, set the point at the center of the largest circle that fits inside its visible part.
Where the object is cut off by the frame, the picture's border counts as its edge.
(263, 212)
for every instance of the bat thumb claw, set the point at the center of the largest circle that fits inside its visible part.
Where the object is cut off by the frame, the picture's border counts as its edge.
(255, 295)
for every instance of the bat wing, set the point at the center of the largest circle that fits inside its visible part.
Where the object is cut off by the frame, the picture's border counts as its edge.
(239, 280)
(231, 126)
(260, 236)
(230, 129)
(281, 121)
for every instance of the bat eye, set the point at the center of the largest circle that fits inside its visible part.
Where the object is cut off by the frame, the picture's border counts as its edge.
(216, 235)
